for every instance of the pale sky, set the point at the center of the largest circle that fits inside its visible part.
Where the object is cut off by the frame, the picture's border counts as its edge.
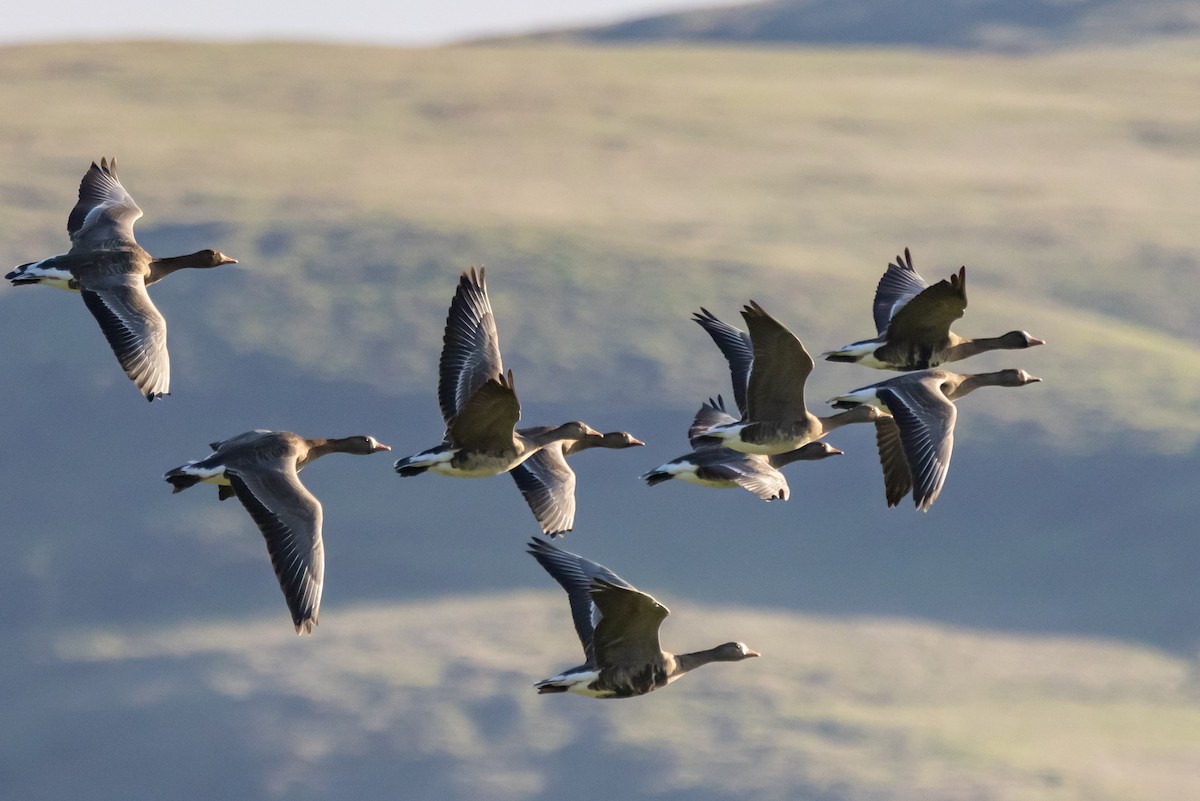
(367, 21)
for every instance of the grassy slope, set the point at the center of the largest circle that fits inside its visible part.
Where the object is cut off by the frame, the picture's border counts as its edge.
(858, 708)
(648, 182)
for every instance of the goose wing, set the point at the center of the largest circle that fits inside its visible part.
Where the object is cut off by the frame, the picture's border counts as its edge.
(710, 414)
(289, 517)
(575, 575)
(751, 472)
(104, 215)
(899, 284)
(781, 367)
(897, 481)
(134, 328)
(928, 316)
(737, 348)
(488, 419)
(627, 632)
(470, 347)
(925, 418)
(547, 483)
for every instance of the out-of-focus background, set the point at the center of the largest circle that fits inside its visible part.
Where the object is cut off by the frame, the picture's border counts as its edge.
(1034, 636)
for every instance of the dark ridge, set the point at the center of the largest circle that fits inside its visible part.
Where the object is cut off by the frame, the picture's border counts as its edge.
(1012, 26)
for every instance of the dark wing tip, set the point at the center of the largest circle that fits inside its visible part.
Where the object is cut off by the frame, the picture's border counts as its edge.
(474, 279)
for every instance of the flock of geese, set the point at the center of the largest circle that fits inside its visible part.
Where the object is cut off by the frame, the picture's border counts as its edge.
(914, 415)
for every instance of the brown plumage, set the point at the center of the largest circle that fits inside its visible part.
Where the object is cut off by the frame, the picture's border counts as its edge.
(617, 625)
(913, 320)
(916, 442)
(111, 271)
(262, 469)
(773, 366)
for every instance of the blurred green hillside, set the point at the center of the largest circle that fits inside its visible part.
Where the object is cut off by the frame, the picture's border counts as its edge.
(612, 192)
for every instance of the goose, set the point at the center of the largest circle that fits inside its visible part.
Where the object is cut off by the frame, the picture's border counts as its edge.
(772, 366)
(547, 482)
(916, 442)
(722, 468)
(111, 271)
(913, 320)
(478, 400)
(618, 627)
(260, 467)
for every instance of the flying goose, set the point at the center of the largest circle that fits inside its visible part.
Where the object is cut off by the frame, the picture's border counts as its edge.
(618, 627)
(916, 442)
(477, 398)
(773, 371)
(913, 320)
(260, 467)
(720, 467)
(111, 271)
(547, 482)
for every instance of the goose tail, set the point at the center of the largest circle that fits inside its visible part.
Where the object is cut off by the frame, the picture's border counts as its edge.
(656, 477)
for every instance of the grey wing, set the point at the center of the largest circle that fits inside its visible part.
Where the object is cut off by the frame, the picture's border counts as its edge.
(290, 518)
(104, 215)
(781, 367)
(627, 632)
(897, 480)
(134, 328)
(757, 475)
(547, 483)
(710, 414)
(735, 345)
(575, 575)
(487, 421)
(247, 438)
(926, 422)
(470, 347)
(927, 317)
(751, 472)
(899, 284)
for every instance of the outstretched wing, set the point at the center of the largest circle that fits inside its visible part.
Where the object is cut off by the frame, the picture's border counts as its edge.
(627, 632)
(710, 414)
(547, 483)
(104, 215)
(487, 420)
(899, 284)
(134, 328)
(575, 575)
(897, 481)
(290, 518)
(928, 316)
(470, 347)
(751, 472)
(737, 348)
(781, 367)
(925, 419)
